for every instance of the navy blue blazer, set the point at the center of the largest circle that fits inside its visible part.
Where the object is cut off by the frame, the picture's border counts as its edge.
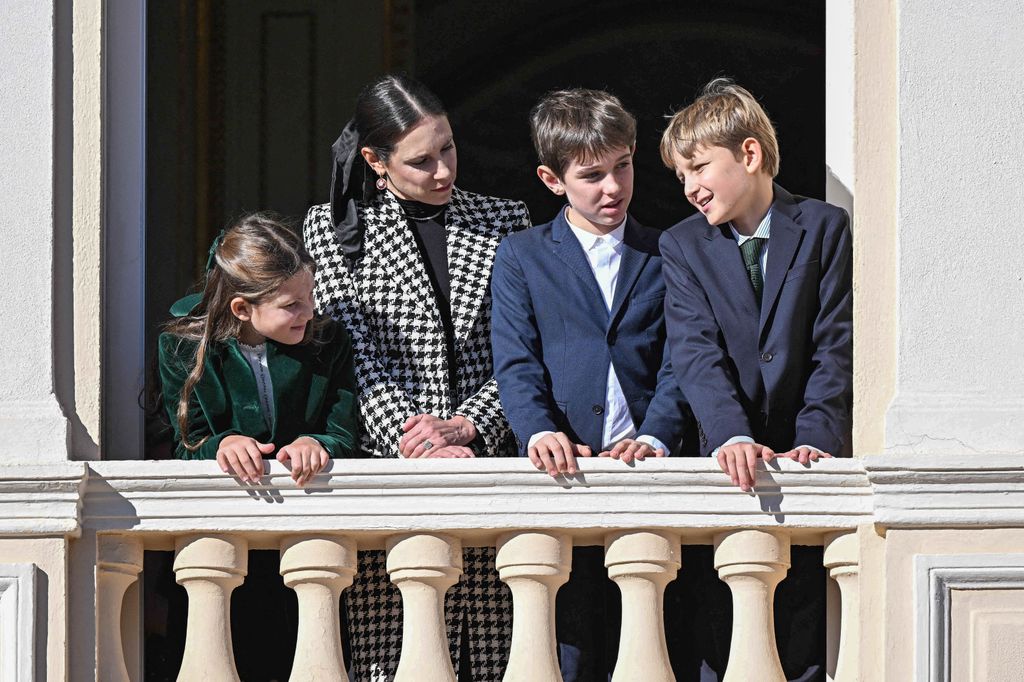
(553, 338)
(784, 375)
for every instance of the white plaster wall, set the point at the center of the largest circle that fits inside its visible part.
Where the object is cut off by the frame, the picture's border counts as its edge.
(874, 221)
(903, 604)
(32, 427)
(960, 369)
(49, 554)
(839, 102)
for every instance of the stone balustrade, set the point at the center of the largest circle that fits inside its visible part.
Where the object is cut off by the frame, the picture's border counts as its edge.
(906, 529)
(423, 512)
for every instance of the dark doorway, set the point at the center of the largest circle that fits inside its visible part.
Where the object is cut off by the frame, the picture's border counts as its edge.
(244, 99)
(490, 62)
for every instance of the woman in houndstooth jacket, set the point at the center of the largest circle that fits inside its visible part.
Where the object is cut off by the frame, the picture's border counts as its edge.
(404, 262)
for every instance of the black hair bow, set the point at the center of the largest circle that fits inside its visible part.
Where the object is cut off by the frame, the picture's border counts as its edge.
(344, 215)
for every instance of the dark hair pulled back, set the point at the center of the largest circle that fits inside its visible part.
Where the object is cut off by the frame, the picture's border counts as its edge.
(386, 110)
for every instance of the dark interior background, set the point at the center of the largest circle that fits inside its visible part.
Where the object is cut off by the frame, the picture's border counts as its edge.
(244, 98)
(655, 56)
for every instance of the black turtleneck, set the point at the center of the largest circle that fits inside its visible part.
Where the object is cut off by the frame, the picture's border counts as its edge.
(427, 223)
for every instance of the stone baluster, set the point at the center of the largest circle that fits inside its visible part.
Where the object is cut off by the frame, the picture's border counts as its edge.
(118, 563)
(209, 567)
(752, 563)
(842, 559)
(423, 567)
(642, 563)
(318, 569)
(534, 565)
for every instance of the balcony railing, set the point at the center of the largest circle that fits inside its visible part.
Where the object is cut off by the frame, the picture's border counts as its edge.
(423, 512)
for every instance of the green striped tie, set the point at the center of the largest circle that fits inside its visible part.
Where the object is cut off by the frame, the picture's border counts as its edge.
(751, 250)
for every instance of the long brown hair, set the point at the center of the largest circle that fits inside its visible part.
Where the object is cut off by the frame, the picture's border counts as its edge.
(252, 259)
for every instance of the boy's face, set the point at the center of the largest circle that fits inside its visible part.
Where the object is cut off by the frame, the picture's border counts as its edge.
(719, 183)
(598, 190)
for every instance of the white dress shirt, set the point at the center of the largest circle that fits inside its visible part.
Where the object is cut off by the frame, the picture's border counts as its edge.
(257, 357)
(604, 254)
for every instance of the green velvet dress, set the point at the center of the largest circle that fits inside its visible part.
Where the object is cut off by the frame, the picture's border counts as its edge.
(313, 385)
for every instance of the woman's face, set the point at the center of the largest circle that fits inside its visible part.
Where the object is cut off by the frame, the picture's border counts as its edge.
(422, 165)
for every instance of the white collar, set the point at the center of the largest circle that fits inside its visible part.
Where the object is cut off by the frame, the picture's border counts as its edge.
(589, 240)
(763, 231)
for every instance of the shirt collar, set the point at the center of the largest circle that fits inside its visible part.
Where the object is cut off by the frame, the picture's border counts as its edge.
(763, 231)
(589, 240)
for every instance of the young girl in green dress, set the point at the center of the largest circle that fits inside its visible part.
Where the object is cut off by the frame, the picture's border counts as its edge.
(246, 368)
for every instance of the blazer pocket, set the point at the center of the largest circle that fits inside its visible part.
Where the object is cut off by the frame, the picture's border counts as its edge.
(802, 269)
(656, 296)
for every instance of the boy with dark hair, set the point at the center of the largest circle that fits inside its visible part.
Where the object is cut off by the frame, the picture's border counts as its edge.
(759, 313)
(578, 336)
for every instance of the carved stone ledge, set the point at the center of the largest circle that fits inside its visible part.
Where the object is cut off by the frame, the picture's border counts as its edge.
(947, 491)
(41, 500)
(372, 497)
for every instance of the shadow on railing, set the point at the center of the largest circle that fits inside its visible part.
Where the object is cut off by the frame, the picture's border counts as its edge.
(423, 512)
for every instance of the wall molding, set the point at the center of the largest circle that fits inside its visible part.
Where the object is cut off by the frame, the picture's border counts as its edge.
(947, 491)
(935, 576)
(41, 500)
(17, 622)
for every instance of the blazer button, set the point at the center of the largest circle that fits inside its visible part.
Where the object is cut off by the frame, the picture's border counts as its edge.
(766, 357)
(597, 409)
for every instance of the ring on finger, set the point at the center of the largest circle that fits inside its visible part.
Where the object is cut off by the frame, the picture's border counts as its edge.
(427, 445)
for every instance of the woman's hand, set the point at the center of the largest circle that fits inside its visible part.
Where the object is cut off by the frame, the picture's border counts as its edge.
(421, 429)
(307, 457)
(449, 452)
(242, 456)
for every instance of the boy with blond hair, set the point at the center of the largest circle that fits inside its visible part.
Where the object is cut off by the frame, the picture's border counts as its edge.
(758, 305)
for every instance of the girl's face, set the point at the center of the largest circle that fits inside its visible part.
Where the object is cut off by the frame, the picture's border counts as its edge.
(423, 163)
(282, 318)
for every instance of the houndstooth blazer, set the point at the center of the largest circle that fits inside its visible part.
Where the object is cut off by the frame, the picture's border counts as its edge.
(386, 302)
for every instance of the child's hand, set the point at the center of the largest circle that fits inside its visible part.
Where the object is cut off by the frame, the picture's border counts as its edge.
(556, 453)
(426, 428)
(307, 457)
(804, 454)
(242, 456)
(739, 460)
(449, 452)
(628, 449)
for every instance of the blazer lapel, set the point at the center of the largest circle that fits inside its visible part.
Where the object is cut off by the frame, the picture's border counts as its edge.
(471, 247)
(782, 246)
(727, 262)
(569, 250)
(634, 258)
(396, 260)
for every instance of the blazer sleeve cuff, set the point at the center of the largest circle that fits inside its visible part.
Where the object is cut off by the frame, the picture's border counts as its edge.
(819, 439)
(654, 443)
